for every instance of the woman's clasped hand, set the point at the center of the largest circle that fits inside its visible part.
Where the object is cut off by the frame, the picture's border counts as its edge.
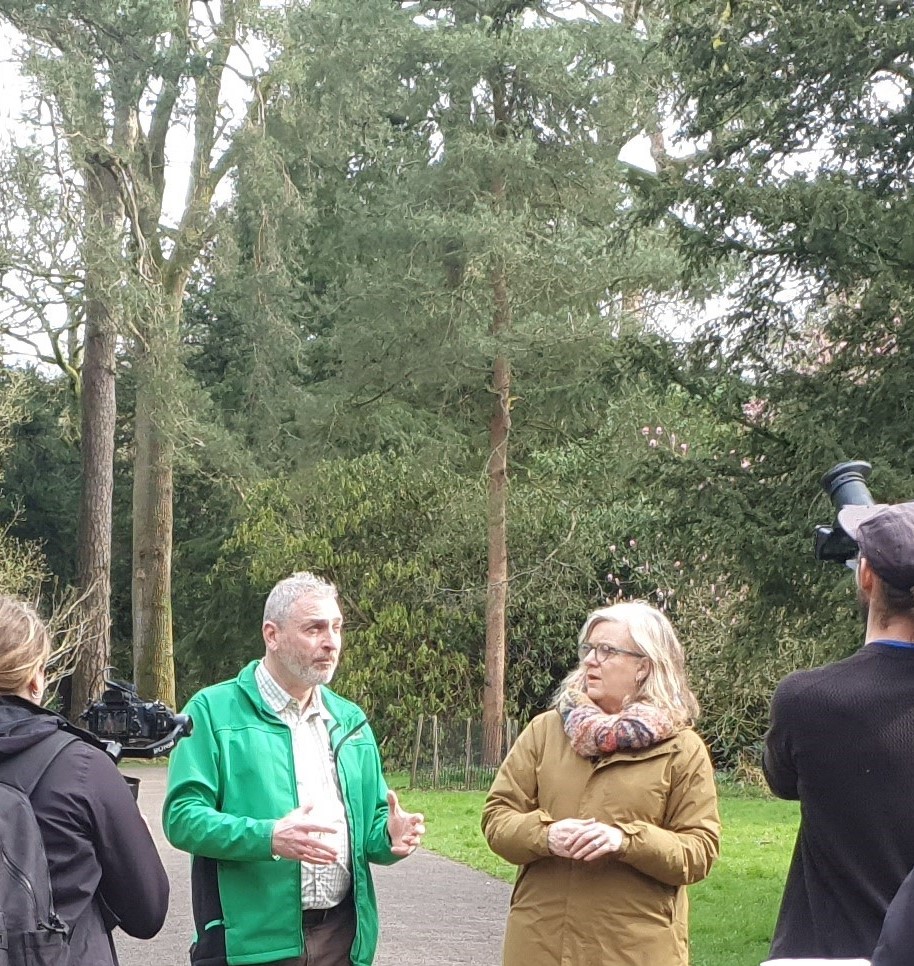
(586, 839)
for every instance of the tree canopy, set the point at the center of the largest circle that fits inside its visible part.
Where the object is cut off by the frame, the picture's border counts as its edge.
(416, 345)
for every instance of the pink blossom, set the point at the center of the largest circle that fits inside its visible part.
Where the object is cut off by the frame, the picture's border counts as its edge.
(755, 410)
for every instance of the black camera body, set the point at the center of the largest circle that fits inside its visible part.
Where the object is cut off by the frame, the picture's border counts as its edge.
(133, 728)
(845, 484)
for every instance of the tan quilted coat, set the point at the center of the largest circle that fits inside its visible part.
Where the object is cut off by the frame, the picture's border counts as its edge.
(628, 909)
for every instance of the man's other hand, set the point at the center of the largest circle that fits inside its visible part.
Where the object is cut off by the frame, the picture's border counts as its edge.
(405, 828)
(297, 836)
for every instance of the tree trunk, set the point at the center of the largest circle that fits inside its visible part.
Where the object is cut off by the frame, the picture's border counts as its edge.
(153, 646)
(98, 414)
(493, 696)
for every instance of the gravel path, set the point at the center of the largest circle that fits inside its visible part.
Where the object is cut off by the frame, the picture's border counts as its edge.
(434, 912)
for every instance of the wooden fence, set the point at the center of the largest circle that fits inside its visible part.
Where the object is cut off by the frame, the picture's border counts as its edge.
(458, 752)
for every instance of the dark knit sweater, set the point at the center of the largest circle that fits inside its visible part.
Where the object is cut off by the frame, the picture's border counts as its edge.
(896, 942)
(841, 740)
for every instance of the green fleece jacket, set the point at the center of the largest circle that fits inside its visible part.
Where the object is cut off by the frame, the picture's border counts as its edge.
(228, 784)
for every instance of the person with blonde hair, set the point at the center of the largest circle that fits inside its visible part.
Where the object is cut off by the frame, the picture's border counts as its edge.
(104, 868)
(607, 804)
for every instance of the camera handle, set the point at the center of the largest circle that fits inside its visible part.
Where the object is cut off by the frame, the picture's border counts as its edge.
(155, 749)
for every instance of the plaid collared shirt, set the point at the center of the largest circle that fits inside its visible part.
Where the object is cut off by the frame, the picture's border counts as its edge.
(322, 886)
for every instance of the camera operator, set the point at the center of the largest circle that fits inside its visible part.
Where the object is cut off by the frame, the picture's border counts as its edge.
(841, 740)
(104, 867)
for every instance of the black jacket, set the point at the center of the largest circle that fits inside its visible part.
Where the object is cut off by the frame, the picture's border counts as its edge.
(105, 869)
(896, 941)
(842, 742)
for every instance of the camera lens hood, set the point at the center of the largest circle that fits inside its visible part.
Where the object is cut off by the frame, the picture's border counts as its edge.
(845, 484)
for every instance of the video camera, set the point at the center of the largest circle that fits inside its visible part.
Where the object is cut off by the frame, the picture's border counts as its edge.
(845, 484)
(131, 727)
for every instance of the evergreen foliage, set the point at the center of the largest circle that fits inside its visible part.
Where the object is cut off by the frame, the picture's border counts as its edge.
(330, 387)
(22, 566)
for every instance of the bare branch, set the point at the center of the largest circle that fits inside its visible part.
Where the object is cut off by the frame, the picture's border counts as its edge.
(67, 626)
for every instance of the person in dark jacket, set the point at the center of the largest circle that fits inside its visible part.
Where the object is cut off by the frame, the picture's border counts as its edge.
(104, 866)
(841, 740)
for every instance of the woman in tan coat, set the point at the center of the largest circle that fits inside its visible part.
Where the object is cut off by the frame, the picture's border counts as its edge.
(607, 803)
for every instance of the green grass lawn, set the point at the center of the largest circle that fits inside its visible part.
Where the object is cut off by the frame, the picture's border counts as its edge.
(733, 910)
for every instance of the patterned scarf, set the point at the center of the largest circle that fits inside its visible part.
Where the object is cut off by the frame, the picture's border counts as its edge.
(594, 733)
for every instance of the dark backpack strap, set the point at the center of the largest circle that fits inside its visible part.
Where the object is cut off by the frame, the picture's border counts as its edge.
(25, 769)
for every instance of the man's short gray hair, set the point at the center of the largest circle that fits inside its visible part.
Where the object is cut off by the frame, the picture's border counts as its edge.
(284, 595)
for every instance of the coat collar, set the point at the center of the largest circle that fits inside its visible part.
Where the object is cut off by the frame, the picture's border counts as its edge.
(662, 748)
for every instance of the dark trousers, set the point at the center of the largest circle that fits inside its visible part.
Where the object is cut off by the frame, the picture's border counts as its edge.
(328, 942)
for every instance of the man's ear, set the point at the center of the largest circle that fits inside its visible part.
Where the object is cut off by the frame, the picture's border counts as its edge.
(866, 576)
(269, 631)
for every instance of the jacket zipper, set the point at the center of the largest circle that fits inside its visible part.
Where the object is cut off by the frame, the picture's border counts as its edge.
(54, 924)
(338, 747)
(336, 752)
(23, 881)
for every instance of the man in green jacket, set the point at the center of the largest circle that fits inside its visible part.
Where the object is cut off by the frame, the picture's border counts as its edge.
(279, 796)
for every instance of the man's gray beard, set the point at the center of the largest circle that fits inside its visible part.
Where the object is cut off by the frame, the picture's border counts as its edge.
(863, 607)
(307, 677)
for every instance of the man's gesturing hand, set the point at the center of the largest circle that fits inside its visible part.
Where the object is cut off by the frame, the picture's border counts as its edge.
(405, 828)
(297, 836)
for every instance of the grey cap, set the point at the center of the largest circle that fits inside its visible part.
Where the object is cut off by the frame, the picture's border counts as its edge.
(885, 534)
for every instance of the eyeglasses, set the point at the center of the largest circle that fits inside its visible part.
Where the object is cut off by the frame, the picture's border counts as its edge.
(603, 652)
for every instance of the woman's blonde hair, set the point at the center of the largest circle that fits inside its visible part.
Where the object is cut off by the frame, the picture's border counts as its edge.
(25, 645)
(666, 685)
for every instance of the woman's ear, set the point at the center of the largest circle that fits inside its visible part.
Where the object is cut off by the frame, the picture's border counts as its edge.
(37, 686)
